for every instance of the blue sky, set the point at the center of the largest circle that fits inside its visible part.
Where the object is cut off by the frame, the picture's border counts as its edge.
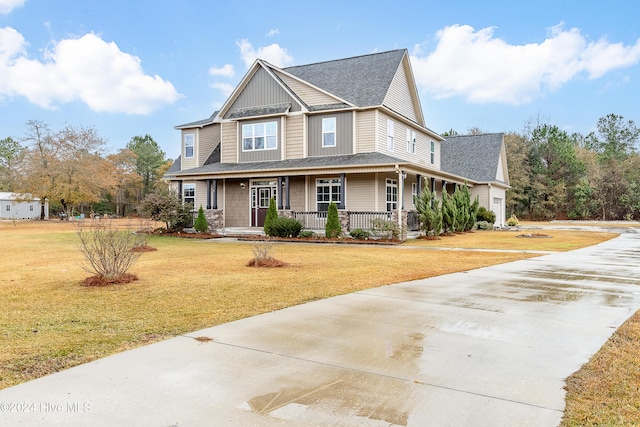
(135, 67)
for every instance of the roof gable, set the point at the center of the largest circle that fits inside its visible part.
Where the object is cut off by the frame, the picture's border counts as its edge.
(476, 157)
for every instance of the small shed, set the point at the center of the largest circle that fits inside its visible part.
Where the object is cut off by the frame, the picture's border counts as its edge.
(18, 206)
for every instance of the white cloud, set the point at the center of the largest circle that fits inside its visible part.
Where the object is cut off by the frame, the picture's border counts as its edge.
(273, 32)
(481, 68)
(225, 88)
(273, 54)
(226, 70)
(6, 6)
(87, 69)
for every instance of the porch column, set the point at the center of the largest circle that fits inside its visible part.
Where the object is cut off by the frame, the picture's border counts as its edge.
(419, 184)
(433, 185)
(215, 194)
(208, 194)
(279, 192)
(342, 194)
(287, 204)
(180, 189)
(444, 187)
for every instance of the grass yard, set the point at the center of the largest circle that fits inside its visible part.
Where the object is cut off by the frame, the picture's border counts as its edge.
(49, 322)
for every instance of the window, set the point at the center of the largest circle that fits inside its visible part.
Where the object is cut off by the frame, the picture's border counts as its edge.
(411, 141)
(188, 145)
(329, 132)
(189, 194)
(31, 208)
(389, 135)
(414, 193)
(433, 152)
(392, 195)
(327, 191)
(260, 136)
(8, 208)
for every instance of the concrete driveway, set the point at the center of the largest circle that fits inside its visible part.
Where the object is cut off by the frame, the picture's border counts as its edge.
(489, 347)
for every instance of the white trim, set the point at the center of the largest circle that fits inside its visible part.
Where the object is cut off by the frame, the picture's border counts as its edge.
(193, 145)
(265, 136)
(329, 120)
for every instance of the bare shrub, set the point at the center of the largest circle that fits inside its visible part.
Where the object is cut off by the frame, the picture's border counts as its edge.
(262, 255)
(108, 251)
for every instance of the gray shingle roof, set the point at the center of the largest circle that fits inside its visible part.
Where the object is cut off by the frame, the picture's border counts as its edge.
(361, 159)
(264, 110)
(361, 80)
(176, 166)
(472, 156)
(198, 123)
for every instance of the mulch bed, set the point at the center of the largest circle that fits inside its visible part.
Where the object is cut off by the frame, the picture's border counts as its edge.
(534, 236)
(318, 240)
(99, 281)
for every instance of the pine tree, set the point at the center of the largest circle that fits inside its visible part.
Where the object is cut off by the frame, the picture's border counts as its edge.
(272, 214)
(201, 224)
(449, 213)
(332, 228)
(430, 213)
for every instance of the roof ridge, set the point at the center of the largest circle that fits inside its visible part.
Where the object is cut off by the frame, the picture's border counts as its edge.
(345, 59)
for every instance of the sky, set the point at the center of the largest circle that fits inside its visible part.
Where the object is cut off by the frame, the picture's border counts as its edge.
(139, 67)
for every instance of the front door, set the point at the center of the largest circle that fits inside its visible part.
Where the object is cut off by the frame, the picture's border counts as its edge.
(261, 195)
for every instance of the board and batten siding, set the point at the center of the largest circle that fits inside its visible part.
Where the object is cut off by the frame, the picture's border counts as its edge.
(366, 131)
(307, 94)
(344, 135)
(294, 144)
(189, 162)
(260, 155)
(262, 90)
(208, 140)
(399, 96)
(229, 147)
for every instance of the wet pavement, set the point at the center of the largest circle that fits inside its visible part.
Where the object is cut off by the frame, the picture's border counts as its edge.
(488, 347)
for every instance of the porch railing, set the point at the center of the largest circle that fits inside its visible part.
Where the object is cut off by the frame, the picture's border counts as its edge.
(311, 220)
(363, 220)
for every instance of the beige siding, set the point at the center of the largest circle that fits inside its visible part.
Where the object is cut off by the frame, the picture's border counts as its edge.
(308, 94)
(500, 173)
(201, 195)
(399, 97)
(262, 90)
(422, 156)
(229, 148)
(294, 143)
(209, 138)
(296, 193)
(192, 162)
(359, 191)
(366, 132)
(236, 209)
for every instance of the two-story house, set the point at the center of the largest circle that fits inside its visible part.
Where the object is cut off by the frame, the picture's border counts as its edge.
(349, 131)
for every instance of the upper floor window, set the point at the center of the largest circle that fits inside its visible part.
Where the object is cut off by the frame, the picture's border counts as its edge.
(389, 135)
(329, 132)
(433, 152)
(8, 208)
(188, 145)
(260, 136)
(189, 194)
(411, 141)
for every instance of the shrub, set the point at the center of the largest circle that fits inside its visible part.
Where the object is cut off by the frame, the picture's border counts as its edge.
(332, 228)
(201, 224)
(486, 215)
(262, 256)
(385, 229)
(272, 214)
(359, 234)
(512, 221)
(428, 208)
(285, 227)
(167, 207)
(108, 251)
(307, 234)
(484, 225)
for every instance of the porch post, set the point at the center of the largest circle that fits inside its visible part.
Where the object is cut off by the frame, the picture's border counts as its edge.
(180, 189)
(433, 185)
(342, 195)
(419, 185)
(279, 192)
(215, 194)
(287, 204)
(208, 194)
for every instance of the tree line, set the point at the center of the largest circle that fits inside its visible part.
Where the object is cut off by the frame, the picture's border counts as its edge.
(71, 168)
(557, 175)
